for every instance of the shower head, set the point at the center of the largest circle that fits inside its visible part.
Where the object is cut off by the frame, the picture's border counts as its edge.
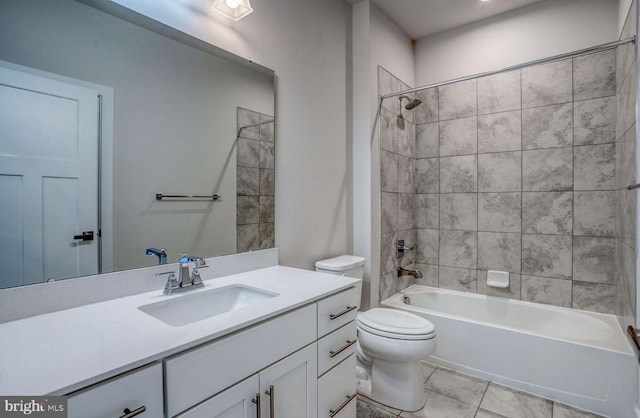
(412, 103)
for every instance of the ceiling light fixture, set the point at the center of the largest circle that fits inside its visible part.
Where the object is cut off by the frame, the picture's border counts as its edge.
(233, 9)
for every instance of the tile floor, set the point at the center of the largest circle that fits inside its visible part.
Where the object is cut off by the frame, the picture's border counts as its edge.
(455, 395)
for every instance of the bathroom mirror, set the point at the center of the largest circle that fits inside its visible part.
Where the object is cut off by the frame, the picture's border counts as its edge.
(170, 109)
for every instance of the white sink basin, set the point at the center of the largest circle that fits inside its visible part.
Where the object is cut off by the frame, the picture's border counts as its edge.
(187, 308)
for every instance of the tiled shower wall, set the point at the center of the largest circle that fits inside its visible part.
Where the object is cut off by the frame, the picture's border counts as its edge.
(511, 172)
(626, 200)
(255, 182)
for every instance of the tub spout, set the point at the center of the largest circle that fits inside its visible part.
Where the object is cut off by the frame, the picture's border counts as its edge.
(406, 272)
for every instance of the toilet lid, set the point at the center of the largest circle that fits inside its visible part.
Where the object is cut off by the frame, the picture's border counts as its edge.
(395, 323)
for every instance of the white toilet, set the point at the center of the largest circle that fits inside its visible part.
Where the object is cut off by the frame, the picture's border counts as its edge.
(391, 344)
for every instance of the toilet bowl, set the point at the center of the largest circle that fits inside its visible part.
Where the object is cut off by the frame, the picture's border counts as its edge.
(391, 344)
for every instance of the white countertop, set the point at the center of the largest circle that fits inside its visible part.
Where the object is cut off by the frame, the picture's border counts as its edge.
(60, 352)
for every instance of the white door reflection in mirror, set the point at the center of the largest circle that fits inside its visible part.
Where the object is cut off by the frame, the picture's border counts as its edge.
(48, 179)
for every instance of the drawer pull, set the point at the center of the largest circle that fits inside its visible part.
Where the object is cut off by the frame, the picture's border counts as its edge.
(130, 414)
(257, 402)
(349, 343)
(339, 314)
(272, 401)
(333, 413)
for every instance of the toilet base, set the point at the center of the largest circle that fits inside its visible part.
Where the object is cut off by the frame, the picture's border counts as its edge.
(396, 385)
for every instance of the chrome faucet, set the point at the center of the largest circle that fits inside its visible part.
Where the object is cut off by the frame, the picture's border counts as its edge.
(414, 273)
(186, 280)
(160, 253)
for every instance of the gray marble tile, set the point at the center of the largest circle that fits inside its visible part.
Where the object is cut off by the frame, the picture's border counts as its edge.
(247, 237)
(500, 172)
(388, 286)
(388, 171)
(248, 152)
(458, 386)
(248, 117)
(458, 249)
(565, 411)
(428, 110)
(594, 121)
(247, 210)
(500, 132)
(458, 136)
(427, 370)
(267, 155)
(594, 213)
(389, 212)
(512, 403)
(546, 290)
(427, 175)
(406, 137)
(626, 104)
(595, 297)
(594, 259)
(595, 167)
(426, 140)
(459, 211)
(547, 170)
(626, 164)
(267, 131)
(405, 211)
(427, 211)
(486, 414)
(429, 274)
(499, 212)
(406, 173)
(627, 219)
(499, 251)
(594, 75)
(248, 181)
(457, 100)
(388, 130)
(427, 242)
(547, 84)
(388, 260)
(267, 182)
(267, 235)
(388, 83)
(267, 209)
(459, 174)
(547, 126)
(547, 255)
(439, 406)
(499, 92)
(370, 409)
(511, 292)
(547, 213)
(454, 278)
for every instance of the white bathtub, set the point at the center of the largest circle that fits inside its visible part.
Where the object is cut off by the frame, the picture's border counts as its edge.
(575, 357)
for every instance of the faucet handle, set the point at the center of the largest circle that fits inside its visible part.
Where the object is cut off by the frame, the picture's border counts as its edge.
(171, 284)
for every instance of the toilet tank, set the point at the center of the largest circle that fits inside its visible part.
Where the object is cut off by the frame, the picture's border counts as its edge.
(344, 265)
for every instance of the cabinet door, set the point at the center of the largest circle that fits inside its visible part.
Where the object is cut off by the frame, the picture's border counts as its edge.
(139, 391)
(235, 402)
(290, 386)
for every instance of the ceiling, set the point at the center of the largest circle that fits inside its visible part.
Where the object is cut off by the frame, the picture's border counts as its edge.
(420, 18)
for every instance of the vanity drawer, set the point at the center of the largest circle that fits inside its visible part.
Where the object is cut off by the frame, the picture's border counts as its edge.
(198, 374)
(337, 391)
(335, 347)
(138, 390)
(337, 310)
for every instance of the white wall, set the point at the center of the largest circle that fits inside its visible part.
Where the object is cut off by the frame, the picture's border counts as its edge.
(306, 43)
(543, 29)
(377, 41)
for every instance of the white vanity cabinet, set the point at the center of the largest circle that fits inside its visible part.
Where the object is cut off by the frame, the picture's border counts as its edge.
(286, 389)
(137, 393)
(336, 355)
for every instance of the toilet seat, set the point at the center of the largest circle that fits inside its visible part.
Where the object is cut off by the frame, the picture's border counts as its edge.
(396, 324)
